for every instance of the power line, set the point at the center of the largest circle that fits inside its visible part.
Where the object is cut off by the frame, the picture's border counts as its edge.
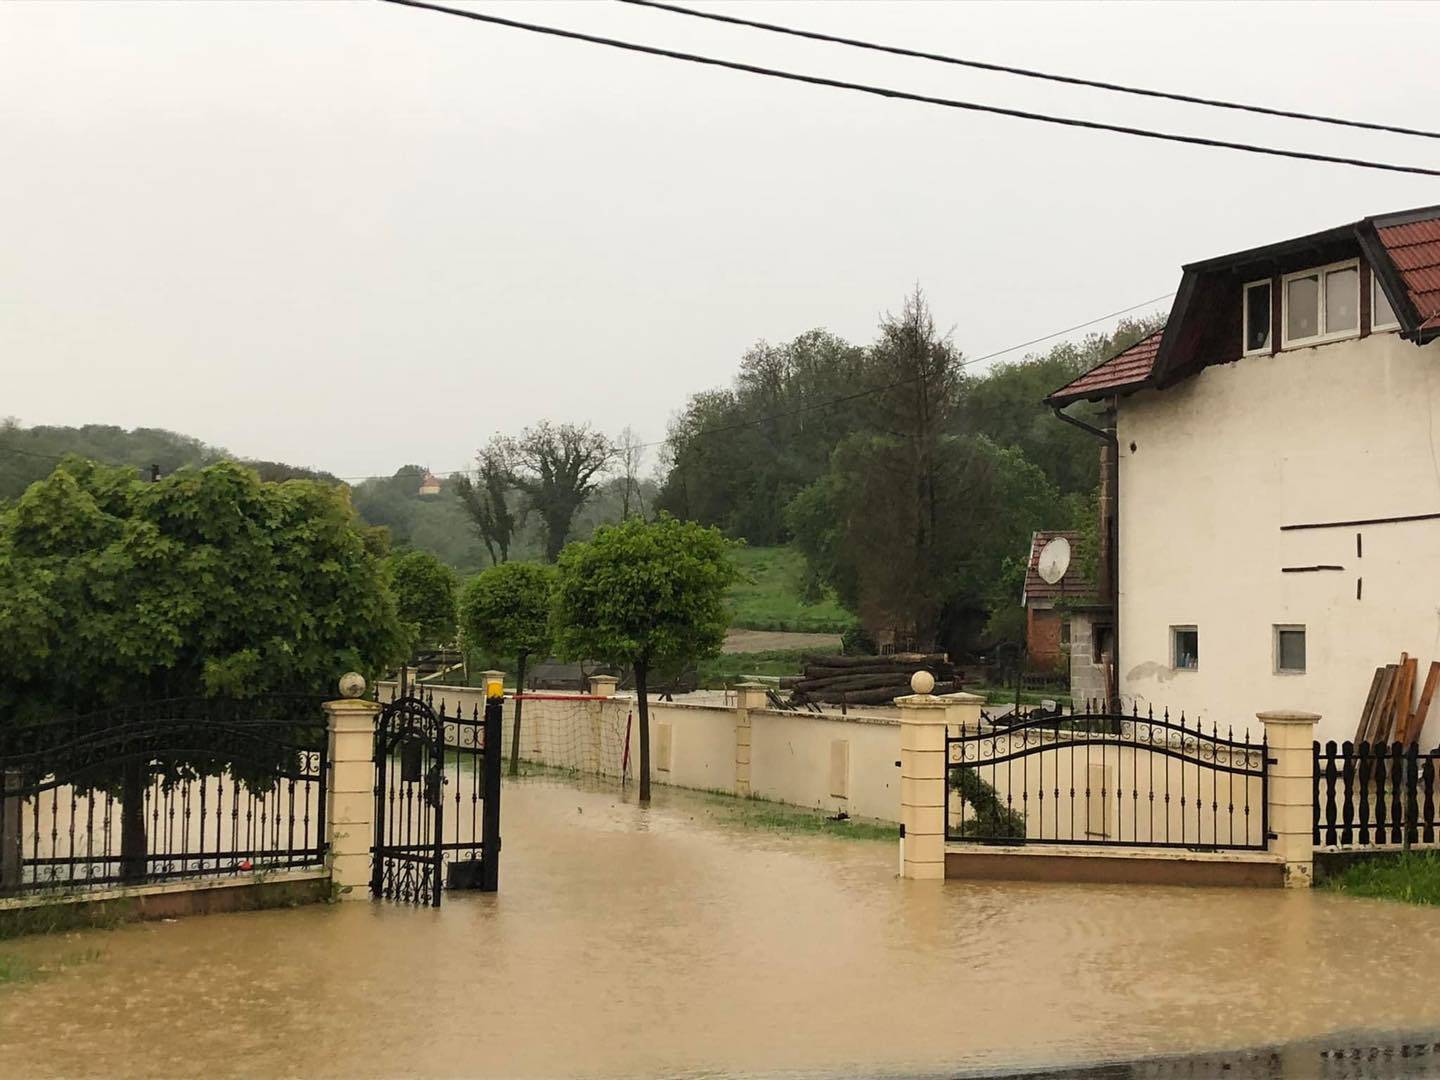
(1030, 73)
(905, 95)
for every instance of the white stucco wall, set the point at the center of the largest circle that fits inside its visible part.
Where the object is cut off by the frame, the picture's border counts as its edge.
(1340, 432)
(794, 755)
(794, 759)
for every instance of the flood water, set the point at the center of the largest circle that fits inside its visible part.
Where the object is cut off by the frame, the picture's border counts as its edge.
(662, 941)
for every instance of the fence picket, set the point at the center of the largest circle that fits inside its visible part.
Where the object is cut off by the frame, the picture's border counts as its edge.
(1331, 775)
(1347, 807)
(1427, 779)
(1365, 771)
(1412, 802)
(1379, 773)
(1397, 779)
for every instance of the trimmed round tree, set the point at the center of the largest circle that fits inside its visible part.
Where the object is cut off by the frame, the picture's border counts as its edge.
(644, 594)
(506, 610)
(209, 583)
(424, 590)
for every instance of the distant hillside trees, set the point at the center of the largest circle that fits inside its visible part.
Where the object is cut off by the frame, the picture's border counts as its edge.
(558, 468)
(906, 478)
(28, 454)
(729, 469)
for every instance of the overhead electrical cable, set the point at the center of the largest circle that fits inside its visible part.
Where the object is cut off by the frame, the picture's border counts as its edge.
(1031, 73)
(905, 95)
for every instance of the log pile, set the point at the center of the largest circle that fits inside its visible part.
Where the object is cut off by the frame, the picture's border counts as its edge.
(867, 680)
(1391, 713)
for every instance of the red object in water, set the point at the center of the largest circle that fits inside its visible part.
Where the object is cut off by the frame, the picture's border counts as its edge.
(247, 865)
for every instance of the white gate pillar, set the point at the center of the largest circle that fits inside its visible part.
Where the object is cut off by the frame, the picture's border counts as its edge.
(350, 788)
(922, 781)
(1289, 800)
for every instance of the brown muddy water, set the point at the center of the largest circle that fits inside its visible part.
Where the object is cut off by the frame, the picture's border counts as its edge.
(665, 941)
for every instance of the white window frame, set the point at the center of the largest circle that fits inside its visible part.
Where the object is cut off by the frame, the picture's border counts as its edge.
(1377, 289)
(1320, 272)
(1265, 349)
(1275, 648)
(1175, 632)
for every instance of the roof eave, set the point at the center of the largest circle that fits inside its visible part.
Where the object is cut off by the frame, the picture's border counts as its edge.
(1266, 252)
(1383, 266)
(1164, 357)
(1058, 400)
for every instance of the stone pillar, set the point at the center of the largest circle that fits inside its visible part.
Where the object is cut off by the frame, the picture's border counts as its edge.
(748, 696)
(350, 791)
(493, 676)
(603, 685)
(922, 783)
(1290, 738)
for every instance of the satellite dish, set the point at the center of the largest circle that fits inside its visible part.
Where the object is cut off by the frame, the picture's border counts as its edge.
(1054, 560)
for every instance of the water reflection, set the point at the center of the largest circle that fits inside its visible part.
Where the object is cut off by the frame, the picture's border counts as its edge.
(630, 942)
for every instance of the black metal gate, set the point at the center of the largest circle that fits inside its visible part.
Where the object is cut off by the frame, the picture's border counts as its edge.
(1103, 778)
(437, 801)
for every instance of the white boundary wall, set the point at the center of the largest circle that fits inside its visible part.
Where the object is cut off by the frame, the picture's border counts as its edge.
(832, 763)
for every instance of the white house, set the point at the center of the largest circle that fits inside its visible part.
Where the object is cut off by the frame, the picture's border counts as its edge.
(1272, 486)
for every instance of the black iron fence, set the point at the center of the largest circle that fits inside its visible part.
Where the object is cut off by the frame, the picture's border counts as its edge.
(162, 790)
(1097, 778)
(437, 800)
(1374, 796)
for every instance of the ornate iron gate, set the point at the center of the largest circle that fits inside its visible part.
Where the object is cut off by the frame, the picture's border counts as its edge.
(1101, 778)
(437, 801)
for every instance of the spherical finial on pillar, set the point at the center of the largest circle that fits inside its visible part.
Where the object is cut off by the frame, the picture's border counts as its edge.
(922, 682)
(352, 684)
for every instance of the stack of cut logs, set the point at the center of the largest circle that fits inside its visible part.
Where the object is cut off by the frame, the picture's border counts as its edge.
(867, 680)
(1390, 715)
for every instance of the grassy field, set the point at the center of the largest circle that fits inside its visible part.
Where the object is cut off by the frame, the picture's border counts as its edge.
(768, 597)
(1412, 878)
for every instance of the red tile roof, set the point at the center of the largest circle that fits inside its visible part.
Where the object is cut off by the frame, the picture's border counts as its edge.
(1414, 247)
(1123, 370)
(1073, 586)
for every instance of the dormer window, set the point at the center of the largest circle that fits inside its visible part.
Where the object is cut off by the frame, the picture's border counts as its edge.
(1321, 304)
(1382, 312)
(1257, 317)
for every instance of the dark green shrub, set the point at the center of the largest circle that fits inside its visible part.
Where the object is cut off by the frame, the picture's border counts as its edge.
(985, 815)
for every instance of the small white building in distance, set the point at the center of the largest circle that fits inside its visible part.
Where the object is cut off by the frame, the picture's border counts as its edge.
(1271, 496)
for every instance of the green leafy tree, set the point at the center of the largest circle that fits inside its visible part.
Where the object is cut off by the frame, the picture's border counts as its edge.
(557, 467)
(506, 610)
(487, 501)
(728, 470)
(208, 583)
(644, 594)
(1007, 404)
(860, 526)
(425, 597)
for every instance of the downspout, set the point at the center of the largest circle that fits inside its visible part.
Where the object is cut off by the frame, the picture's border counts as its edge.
(1109, 533)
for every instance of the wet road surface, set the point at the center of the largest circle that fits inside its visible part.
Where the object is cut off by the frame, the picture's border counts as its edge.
(661, 942)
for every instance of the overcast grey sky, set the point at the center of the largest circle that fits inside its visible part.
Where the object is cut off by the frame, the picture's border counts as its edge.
(353, 235)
